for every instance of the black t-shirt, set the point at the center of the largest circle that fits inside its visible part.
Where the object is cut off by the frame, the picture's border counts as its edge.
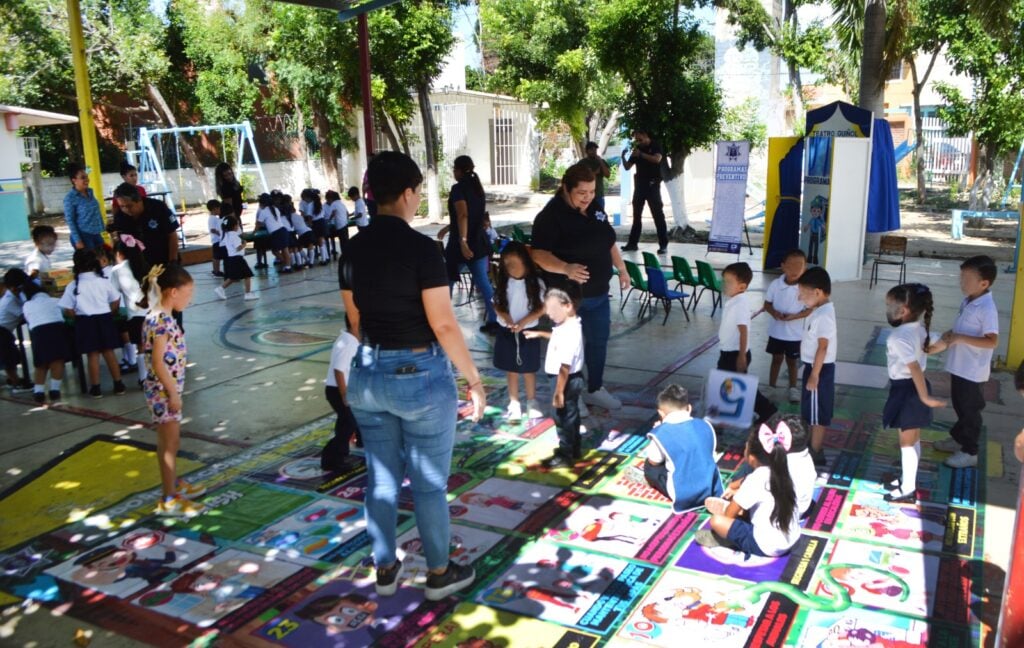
(646, 170)
(153, 227)
(387, 266)
(476, 236)
(575, 238)
(594, 164)
(231, 194)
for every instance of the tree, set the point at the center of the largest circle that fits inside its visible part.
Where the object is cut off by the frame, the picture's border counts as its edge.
(666, 63)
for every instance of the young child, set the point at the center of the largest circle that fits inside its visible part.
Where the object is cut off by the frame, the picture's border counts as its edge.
(318, 222)
(216, 230)
(126, 276)
(92, 301)
(269, 218)
(44, 238)
(236, 268)
(336, 215)
(734, 331)
(336, 455)
(492, 234)
(105, 255)
(303, 236)
(286, 208)
(782, 303)
(681, 456)
(971, 343)
(798, 458)
(360, 213)
(163, 344)
(10, 320)
(564, 363)
(519, 302)
(51, 344)
(818, 353)
(767, 495)
(908, 408)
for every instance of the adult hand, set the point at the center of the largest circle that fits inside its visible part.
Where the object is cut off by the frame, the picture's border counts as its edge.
(949, 337)
(479, 398)
(577, 272)
(623, 281)
(466, 252)
(79, 245)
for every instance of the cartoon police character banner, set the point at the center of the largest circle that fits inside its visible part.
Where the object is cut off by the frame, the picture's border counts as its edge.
(823, 126)
(732, 164)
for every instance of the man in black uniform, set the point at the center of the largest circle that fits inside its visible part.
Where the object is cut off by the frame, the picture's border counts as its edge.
(647, 156)
(148, 220)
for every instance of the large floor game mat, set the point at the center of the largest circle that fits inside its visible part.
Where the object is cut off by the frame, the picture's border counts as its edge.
(588, 556)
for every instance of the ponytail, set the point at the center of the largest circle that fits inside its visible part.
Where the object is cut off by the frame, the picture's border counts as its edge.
(159, 279)
(770, 448)
(465, 165)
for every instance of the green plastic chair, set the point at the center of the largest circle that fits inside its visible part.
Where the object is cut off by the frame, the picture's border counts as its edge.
(651, 261)
(639, 283)
(709, 281)
(519, 235)
(683, 274)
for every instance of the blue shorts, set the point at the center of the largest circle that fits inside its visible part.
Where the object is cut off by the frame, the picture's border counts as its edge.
(741, 534)
(816, 407)
(789, 348)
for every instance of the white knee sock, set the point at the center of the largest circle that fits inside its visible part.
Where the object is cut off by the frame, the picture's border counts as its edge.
(130, 353)
(323, 251)
(909, 458)
(140, 362)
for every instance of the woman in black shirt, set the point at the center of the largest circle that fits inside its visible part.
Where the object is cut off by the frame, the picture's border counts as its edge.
(573, 242)
(401, 388)
(467, 238)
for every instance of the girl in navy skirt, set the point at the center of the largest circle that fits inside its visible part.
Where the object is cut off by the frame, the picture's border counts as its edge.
(92, 301)
(236, 268)
(909, 407)
(130, 270)
(51, 340)
(519, 302)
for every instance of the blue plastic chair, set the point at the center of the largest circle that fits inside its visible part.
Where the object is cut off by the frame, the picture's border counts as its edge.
(659, 291)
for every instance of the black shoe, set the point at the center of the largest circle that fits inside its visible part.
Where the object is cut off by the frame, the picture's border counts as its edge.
(95, 391)
(127, 367)
(260, 266)
(217, 273)
(343, 464)
(819, 458)
(39, 397)
(455, 578)
(387, 579)
(490, 328)
(119, 387)
(54, 395)
(899, 497)
(629, 248)
(662, 250)
(893, 484)
(558, 460)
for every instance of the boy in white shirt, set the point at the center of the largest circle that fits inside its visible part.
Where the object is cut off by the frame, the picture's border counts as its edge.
(818, 353)
(216, 232)
(336, 455)
(734, 331)
(361, 214)
(564, 362)
(782, 303)
(971, 343)
(38, 262)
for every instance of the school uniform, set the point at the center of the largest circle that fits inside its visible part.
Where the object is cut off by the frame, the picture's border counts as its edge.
(317, 220)
(49, 334)
(513, 352)
(566, 348)
(303, 233)
(760, 536)
(816, 407)
(345, 425)
(90, 296)
(736, 313)
(336, 215)
(130, 292)
(10, 319)
(216, 226)
(286, 221)
(362, 213)
(804, 476)
(904, 409)
(236, 267)
(969, 368)
(36, 261)
(273, 221)
(784, 337)
(681, 461)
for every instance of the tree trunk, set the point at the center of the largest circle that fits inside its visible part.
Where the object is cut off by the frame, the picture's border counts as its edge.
(676, 194)
(872, 76)
(190, 153)
(796, 83)
(609, 130)
(403, 138)
(328, 152)
(922, 159)
(303, 145)
(389, 131)
(430, 143)
(981, 190)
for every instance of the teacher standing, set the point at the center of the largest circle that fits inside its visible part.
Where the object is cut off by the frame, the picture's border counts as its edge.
(401, 388)
(467, 237)
(82, 211)
(573, 242)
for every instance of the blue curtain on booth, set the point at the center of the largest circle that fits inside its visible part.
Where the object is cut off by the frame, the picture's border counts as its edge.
(785, 234)
(883, 193)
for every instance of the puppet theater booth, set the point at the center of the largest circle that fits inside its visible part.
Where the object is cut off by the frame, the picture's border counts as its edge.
(830, 188)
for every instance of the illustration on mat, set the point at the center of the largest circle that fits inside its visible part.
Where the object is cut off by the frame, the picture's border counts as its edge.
(500, 503)
(321, 530)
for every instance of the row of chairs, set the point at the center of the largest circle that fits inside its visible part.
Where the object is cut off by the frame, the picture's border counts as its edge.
(654, 287)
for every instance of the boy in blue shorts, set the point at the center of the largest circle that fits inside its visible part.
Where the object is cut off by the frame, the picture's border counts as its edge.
(818, 353)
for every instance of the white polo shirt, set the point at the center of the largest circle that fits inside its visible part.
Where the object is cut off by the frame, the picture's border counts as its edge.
(978, 317)
(95, 295)
(905, 345)
(565, 347)
(344, 350)
(232, 243)
(819, 324)
(755, 496)
(785, 299)
(37, 262)
(216, 227)
(42, 309)
(735, 313)
(270, 220)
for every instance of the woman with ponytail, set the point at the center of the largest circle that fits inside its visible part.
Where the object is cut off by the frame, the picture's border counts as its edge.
(908, 307)
(467, 239)
(761, 519)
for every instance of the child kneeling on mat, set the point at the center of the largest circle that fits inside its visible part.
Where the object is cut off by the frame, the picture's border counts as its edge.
(681, 456)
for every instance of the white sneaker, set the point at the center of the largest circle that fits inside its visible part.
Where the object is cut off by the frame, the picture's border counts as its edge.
(584, 410)
(514, 411)
(250, 296)
(949, 444)
(219, 291)
(794, 394)
(533, 409)
(961, 459)
(602, 398)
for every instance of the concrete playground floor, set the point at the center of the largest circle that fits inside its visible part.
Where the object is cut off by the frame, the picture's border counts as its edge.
(256, 370)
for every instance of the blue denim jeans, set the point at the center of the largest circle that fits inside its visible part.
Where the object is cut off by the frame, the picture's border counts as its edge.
(596, 321)
(406, 406)
(91, 240)
(482, 282)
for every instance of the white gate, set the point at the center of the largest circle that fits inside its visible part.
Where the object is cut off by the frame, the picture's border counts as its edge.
(510, 126)
(947, 158)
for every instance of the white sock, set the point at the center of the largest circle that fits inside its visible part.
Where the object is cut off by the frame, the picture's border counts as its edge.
(140, 362)
(54, 384)
(323, 251)
(909, 458)
(130, 353)
(38, 389)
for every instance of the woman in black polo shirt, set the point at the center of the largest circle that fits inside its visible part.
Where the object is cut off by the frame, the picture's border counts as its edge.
(573, 241)
(401, 388)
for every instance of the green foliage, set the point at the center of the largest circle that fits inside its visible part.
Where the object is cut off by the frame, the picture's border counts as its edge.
(475, 79)
(742, 123)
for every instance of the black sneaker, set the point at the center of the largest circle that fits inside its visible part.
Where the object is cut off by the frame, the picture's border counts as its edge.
(629, 248)
(455, 578)
(217, 273)
(662, 250)
(54, 395)
(558, 460)
(387, 579)
(119, 387)
(95, 391)
(39, 397)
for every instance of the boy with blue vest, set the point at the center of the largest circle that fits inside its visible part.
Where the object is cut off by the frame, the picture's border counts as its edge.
(681, 456)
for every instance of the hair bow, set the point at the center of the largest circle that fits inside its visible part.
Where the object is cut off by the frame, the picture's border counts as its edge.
(131, 242)
(782, 435)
